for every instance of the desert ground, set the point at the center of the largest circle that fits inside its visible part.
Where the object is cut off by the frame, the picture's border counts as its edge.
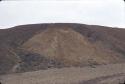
(103, 74)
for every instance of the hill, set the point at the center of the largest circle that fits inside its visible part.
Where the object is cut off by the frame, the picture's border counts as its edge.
(42, 46)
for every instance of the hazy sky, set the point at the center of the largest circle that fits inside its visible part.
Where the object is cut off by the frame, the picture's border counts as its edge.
(96, 12)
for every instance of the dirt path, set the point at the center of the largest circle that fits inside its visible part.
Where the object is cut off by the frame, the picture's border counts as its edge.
(113, 79)
(67, 75)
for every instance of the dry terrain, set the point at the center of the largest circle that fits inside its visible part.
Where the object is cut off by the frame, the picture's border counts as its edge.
(62, 53)
(104, 74)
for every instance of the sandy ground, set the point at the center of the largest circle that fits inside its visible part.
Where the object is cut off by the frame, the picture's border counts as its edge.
(104, 74)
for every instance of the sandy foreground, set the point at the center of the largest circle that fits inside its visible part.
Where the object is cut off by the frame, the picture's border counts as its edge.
(104, 74)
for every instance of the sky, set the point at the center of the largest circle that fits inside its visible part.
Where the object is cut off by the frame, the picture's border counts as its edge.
(94, 12)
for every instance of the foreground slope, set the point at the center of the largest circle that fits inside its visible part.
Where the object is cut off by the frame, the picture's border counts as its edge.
(104, 74)
(42, 46)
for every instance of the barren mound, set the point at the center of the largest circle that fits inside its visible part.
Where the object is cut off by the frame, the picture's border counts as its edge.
(42, 46)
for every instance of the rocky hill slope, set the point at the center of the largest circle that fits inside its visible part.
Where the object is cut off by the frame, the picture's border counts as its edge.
(42, 46)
